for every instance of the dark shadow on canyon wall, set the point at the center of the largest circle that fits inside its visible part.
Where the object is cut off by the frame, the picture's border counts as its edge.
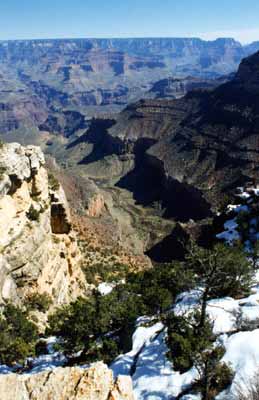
(149, 184)
(172, 247)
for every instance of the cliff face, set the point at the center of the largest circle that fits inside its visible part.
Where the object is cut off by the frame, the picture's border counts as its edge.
(216, 146)
(38, 250)
(173, 88)
(94, 383)
(123, 55)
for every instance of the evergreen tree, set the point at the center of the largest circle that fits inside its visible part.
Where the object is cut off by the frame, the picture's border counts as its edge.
(18, 336)
(221, 271)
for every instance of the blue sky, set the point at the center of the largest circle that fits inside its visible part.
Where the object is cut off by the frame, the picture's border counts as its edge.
(24, 19)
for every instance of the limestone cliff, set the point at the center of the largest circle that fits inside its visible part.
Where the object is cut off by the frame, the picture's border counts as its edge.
(38, 249)
(94, 383)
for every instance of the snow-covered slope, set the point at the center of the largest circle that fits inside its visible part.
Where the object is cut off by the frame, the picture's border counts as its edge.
(154, 377)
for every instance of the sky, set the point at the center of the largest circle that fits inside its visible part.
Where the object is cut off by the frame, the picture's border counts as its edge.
(208, 19)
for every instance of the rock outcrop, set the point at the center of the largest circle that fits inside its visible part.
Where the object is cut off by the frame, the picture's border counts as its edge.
(94, 383)
(38, 248)
(175, 88)
(95, 206)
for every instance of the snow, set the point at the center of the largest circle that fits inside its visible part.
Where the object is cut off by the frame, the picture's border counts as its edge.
(230, 234)
(153, 375)
(231, 224)
(238, 208)
(5, 370)
(242, 354)
(141, 338)
(47, 361)
(105, 288)
(244, 195)
(187, 301)
(222, 313)
(43, 362)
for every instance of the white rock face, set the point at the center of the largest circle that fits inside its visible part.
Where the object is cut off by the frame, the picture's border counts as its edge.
(94, 383)
(38, 250)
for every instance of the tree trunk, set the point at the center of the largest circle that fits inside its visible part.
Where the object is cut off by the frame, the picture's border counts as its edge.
(203, 308)
(205, 391)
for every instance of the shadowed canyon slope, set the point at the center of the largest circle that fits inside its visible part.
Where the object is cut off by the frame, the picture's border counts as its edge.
(196, 147)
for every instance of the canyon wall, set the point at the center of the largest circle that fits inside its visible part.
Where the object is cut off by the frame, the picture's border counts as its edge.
(38, 247)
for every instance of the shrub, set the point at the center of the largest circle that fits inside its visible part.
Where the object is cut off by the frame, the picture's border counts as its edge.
(18, 336)
(105, 272)
(225, 201)
(215, 376)
(221, 271)
(38, 301)
(193, 346)
(53, 182)
(106, 350)
(243, 221)
(2, 171)
(186, 339)
(160, 285)
(33, 214)
(88, 321)
(41, 348)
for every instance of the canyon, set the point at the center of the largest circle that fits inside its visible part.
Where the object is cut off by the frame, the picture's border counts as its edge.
(115, 153)
(55, 85)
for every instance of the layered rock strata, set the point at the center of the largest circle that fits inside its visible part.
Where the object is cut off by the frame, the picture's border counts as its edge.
(38, 248)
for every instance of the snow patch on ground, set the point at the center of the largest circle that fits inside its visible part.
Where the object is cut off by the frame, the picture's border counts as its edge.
(242, 354)
(230, 234)
(105, 288)
(152, 373)
(47, 361)
(142, 337)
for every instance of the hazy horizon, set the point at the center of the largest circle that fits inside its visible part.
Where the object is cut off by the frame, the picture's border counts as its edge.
(62, 19)
(125, 37)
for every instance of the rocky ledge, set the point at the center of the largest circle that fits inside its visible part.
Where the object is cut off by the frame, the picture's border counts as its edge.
(94, 383)
(38, 248)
